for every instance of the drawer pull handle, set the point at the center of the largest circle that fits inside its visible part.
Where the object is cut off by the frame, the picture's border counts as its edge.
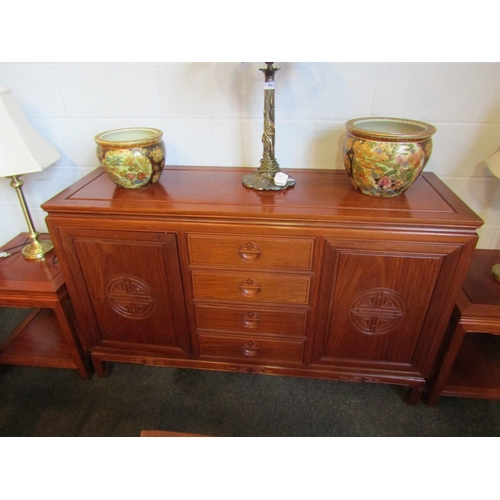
(249, 252)
(249, 288)
(250, 320)
(250, 349)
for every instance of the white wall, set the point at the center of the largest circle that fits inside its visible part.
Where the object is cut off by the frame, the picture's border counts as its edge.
(211, 114)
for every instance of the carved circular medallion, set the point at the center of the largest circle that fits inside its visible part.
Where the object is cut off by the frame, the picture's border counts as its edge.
(377, 311)
(130, 296)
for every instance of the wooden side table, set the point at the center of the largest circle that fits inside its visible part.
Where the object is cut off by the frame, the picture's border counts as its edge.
(470, 366)
(47, 337)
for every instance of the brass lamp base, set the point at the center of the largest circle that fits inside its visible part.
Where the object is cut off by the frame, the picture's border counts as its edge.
(265, 182)
(36, 249)
(495, 271)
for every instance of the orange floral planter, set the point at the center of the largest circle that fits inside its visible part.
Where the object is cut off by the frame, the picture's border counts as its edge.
(384, 156)
(132, 157)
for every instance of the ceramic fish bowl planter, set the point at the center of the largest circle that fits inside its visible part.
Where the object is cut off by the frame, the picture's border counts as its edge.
(132, 157)
(384, 156)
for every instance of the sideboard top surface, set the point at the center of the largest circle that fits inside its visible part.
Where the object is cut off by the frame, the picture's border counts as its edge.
(218, 193)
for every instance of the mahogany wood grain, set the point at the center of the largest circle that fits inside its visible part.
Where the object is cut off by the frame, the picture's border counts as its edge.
(255, 319)
(251, 251)
(250, 348)
(391, 293)
(307, 261)
(319, 195)
(469, 364)
(37, 342)
(134, 286)
(48, 337)
(20, 276)
(254, 287)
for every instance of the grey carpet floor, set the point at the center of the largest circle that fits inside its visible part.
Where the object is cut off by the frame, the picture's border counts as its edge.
(56, 402)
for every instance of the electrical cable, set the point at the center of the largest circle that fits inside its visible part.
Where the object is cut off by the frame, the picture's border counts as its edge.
(4, 254)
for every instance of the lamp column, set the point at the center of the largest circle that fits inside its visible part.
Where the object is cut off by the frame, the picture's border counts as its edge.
(263, 179)
(35, 249)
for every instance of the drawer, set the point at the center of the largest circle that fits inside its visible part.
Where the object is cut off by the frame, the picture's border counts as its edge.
(250, 348)
(259, 251)
(285, 289)
(255, 320)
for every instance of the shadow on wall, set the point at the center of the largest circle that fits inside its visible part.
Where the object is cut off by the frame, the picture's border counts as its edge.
(319, 91)
(314, 130)
(484, 190)
(236, 90)
(326, 149)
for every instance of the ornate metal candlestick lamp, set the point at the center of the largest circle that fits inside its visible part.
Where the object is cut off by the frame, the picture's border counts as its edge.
(269, 175)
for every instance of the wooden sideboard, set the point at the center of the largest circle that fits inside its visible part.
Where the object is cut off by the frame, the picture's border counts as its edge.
(319, 280)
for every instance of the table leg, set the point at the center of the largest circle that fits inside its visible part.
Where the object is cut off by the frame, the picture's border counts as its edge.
(414, 393)
(68, 331)
(437, 385)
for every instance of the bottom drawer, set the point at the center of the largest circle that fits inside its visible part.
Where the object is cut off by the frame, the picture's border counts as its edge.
(251, 348)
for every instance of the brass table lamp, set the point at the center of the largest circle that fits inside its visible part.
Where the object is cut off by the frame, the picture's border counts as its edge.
(22, 151)
(269, 175)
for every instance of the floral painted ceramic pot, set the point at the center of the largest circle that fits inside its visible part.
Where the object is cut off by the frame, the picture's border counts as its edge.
(132, 157)
(385, 156)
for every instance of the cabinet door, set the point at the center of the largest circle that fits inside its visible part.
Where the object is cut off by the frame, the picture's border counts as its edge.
(380, 300)
(130, 288)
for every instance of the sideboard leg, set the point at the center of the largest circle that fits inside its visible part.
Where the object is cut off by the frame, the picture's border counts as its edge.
(432, 398)
(102, 368)
(414, 393)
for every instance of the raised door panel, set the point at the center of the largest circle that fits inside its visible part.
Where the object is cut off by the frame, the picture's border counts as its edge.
(377, 302)
(133, 284)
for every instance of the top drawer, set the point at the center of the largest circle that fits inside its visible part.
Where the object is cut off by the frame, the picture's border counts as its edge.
(258, 251)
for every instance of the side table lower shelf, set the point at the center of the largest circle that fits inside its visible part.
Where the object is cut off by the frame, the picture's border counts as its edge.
(476, 371)
(37, 341)
(48, 336)
(470, 361)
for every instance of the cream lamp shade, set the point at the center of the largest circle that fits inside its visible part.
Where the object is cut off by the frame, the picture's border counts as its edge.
(23, 151)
